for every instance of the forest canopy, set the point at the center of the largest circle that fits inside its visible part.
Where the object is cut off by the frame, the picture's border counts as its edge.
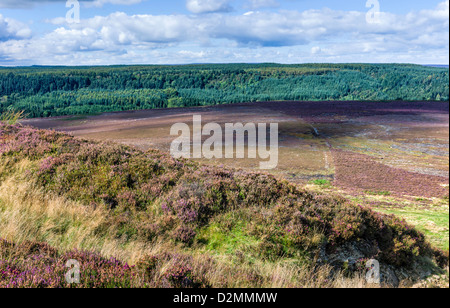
(58, 91)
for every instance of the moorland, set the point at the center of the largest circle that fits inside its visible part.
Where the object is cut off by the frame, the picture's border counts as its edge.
(363, 174)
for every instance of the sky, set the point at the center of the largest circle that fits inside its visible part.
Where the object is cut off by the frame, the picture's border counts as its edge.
(111, 32)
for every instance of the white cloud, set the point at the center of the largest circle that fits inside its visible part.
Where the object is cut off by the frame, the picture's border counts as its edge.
(120, 28)
(283, 36)
(316, 50)
(13, 29)
(208, 6)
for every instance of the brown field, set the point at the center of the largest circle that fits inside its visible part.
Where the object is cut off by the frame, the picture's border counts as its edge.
(398, 148)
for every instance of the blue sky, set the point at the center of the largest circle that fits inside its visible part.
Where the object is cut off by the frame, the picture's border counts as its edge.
(35, 32)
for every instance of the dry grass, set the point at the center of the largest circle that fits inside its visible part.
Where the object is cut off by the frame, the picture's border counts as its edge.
(28, 214)
(12, 117)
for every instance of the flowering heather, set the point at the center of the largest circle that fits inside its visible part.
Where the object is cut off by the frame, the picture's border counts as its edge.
(37, 265)
(184, 234)
(149, 196)
(358, 173)
(173, 270)
(22, 268)
(179, 275)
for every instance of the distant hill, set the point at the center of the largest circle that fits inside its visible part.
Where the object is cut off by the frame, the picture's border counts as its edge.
(57, 91)
(437, 65)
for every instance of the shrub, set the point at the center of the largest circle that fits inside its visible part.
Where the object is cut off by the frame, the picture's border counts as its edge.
(180, 275)
(184, 234)
(147, 265)
(37, 265)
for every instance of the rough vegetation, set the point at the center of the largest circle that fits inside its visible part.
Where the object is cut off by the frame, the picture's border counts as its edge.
(219, 227)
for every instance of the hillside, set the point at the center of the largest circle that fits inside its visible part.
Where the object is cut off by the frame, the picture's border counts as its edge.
(182, 224)
(57, 91)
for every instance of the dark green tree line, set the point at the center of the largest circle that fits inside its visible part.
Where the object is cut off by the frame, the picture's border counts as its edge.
(55, 91)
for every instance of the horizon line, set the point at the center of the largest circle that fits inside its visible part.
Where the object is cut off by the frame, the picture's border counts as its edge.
(222, 63)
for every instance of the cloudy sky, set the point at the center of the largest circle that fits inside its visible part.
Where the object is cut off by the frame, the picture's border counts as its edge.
(38, 32)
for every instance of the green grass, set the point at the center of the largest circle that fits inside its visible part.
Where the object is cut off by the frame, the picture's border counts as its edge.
(320, 182)
(433, 222)
(219, 240)
(231, 238)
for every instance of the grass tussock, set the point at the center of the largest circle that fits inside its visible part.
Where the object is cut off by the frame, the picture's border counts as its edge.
(12, 117)
(29, 214)
(180, 224)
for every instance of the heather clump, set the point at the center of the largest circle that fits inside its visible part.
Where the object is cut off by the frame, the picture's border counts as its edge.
(147, 265)
(173, 270)
(179, 275)
(207, 192)
(184, 234)
(19, 141)
(313, 226)
(37, 265)
(149, 198)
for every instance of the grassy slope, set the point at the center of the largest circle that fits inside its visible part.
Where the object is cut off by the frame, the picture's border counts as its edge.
(230, 228)
(429, 215)
(433, 222)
